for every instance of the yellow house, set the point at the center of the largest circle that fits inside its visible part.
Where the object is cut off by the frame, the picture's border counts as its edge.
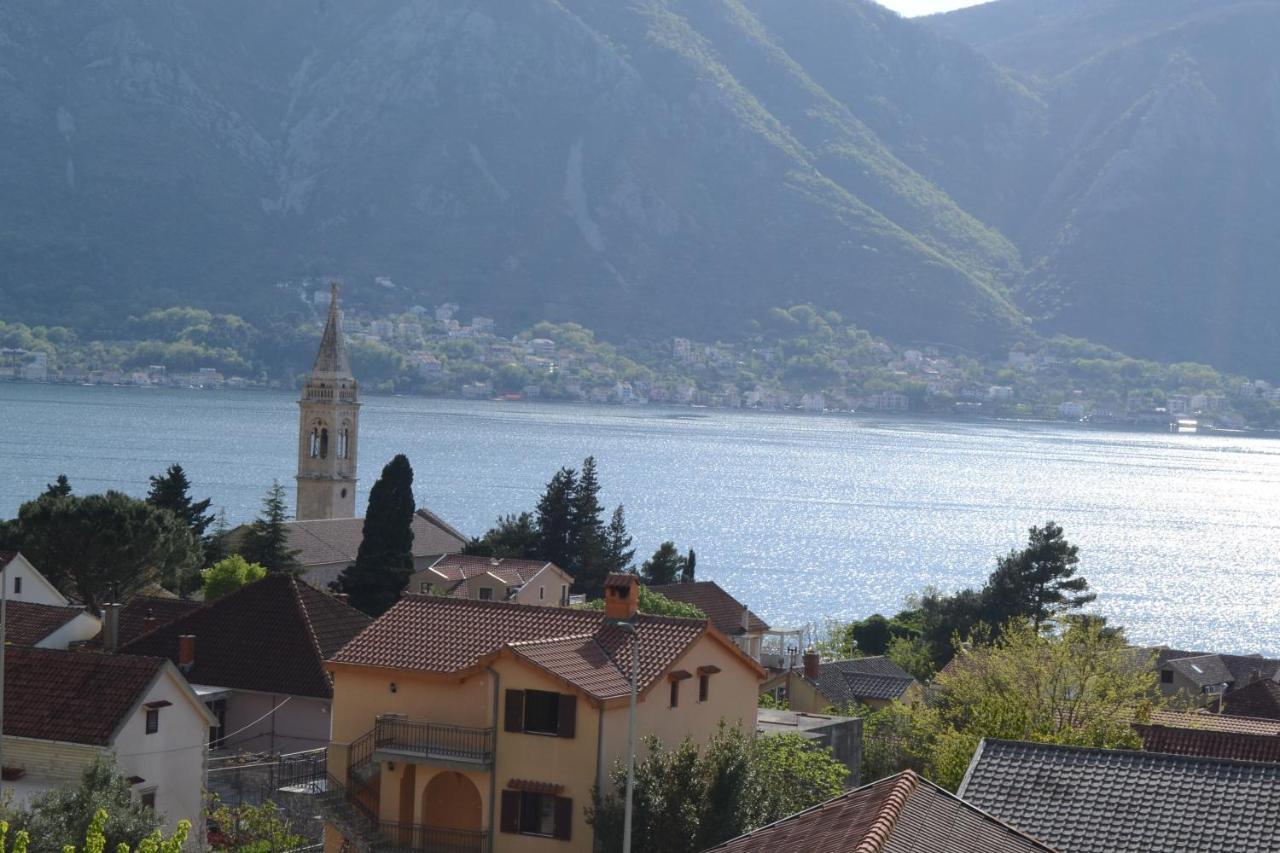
(875, 682)
(473, 725)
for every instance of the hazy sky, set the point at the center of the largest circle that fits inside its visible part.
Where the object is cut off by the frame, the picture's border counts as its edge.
(926, 7)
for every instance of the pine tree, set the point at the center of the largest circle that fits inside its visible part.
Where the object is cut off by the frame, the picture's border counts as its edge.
(687, 570)
(1037, 583)
(59, 488)
(170, 491)
(217, 546)
(267, 540)
(589, 545)
(555, 517)
(618, 552)
(663, 567)
(385, 559)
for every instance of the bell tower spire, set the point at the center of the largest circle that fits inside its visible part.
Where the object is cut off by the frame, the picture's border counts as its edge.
(328, 425)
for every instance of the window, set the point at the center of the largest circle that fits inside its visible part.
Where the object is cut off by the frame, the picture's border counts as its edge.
(541, 712)
(564, 594)
(675, 694)
(324, 444)
(148, 798)
(17, 585)
(218, 707)
(1166, 676)
(153, 720)
(704, 687)
(537, 813)
(542, 592)
(313, 444)
(486, 593)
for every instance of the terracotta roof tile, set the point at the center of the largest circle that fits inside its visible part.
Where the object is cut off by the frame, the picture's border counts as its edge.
(1259, 699)
(1104, 800)
(445, 635)
(898, 814)
(271, 636)
(27, 623)
(1212, 735)
(578, 660)
(336, 540)
(75, 697)
(134, 616)
(724, 611)
(1206, 721)
(459, 567)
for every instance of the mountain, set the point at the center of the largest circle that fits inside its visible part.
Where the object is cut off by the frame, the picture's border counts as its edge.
(1153, 223)
(671, 165)
(1104, 168)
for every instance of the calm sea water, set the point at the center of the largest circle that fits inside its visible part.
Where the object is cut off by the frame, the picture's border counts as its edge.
(804, 517)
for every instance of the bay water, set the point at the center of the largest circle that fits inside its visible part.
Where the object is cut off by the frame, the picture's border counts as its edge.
(804, 517)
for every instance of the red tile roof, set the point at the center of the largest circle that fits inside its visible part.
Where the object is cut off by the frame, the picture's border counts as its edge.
(459, 567)
(271, 636)
(27, 623)
(898, 814)
(1259, 699)
(447, 635)
(724, 611)
(75, 697)
(134, 615)
(6, 557)
(1211, 735)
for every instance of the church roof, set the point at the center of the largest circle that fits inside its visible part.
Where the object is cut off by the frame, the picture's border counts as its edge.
(331, 360)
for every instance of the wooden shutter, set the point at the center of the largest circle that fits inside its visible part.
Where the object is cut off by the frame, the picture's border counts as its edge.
(509, 821)
(514, 721)
(568, 716)
(564, 818)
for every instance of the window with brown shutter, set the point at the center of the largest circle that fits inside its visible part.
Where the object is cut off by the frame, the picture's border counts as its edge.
(704, 687)
(675, 694)
(568, 715)
(509, 821)
(564, 818)
(514, 721)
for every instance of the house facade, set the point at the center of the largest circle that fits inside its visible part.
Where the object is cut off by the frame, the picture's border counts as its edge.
(256, 659)
(730, 616)
(484, 725)
(874, 682)
(36, 613)
(494, 579)
(64, 709)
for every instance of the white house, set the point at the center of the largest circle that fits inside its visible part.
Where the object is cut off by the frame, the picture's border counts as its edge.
(36, 614)
(63, 709)
(494, 579)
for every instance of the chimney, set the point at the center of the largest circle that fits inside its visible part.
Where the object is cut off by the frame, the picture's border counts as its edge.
(343, 597)
(746, 620)
(111, 627)
(186, 652)
(621, 596)
(811, 660)
(149, 621)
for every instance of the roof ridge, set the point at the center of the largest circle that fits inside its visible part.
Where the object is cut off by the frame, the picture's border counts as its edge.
(1196, 759)
(887, 819)
(589, 635)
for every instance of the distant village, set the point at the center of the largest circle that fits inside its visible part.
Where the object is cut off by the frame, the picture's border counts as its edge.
(440, 352)
(482, 702)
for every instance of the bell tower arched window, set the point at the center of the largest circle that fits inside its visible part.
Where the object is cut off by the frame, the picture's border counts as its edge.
(344, 448)
(313, 444)
(324, 444)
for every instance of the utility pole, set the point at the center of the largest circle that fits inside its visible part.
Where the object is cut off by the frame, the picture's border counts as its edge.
(630, 628)
(4, 606)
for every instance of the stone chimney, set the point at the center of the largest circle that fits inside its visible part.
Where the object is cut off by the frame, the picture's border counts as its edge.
(186, 652)
(811, 660)
(621, 596)
(110, 627)
(149, 621)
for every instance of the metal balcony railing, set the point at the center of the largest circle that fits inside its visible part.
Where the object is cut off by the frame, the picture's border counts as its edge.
(434, 740)
(433, 839)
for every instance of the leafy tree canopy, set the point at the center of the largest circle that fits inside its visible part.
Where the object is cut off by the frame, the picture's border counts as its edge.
(171, 491)
(228, 575)
(655, 604)
(664, 567)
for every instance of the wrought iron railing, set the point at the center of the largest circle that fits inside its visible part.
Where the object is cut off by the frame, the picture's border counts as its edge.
(434, 740)
(433, 839)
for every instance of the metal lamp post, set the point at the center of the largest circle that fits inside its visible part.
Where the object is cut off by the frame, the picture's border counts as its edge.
(630, 628)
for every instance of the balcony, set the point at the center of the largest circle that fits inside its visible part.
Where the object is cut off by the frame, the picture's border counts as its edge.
(459, 747)
(432, 839)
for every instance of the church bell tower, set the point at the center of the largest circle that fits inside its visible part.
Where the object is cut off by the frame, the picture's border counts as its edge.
(328, 424)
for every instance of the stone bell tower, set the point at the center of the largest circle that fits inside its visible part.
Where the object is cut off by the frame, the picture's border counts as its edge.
(328, 429)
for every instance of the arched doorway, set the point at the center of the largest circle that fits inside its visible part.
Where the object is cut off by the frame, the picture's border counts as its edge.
(451, 801)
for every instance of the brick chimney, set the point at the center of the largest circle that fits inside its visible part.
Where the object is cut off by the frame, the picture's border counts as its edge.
(149, 621)
(621, 596)
(343, 597)
(811, 660)
(110, 626)
(186, 652)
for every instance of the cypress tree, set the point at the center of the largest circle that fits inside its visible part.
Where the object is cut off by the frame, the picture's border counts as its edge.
(385, 559)
(59, 488)
(687, 570)
(266, 542)
(618, 552)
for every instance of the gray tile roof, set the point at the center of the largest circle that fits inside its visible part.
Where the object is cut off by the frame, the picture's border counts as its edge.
(1082, 800)
(851, 681)
(1203, 671)
(326, 541)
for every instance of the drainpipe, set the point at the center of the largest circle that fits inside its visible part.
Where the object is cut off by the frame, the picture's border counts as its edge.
(493, 771)
(600, 773)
